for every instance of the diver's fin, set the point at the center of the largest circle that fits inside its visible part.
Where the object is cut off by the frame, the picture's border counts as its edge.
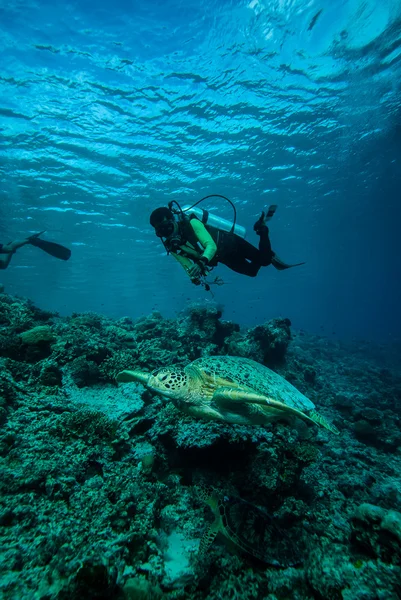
(280, 265)
(56, 250)
(270, 212)
(36, 235)
(260, 224)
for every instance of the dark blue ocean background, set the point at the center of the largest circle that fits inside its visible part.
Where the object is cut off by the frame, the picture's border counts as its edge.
(109, 110)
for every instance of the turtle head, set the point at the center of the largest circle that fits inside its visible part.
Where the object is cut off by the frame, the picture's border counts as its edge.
(208, 495)
(171, 382)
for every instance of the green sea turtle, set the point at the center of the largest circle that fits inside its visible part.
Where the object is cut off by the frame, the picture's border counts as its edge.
(231, 389)
(248, 529)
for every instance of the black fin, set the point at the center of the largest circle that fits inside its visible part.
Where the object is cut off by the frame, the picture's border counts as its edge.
(281, 265)
(271, 211)
(56, 250)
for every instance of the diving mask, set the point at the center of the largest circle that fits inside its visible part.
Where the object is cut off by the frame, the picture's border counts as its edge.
(165, 228)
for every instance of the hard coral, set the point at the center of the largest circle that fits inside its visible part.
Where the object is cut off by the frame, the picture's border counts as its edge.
(87, 424)
(15, 313)
(42, 334)
(265, 343)
(273, 338)
(202, 330)
(84, 372)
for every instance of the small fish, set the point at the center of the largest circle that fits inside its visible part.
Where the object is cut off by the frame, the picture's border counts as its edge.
(314, 19)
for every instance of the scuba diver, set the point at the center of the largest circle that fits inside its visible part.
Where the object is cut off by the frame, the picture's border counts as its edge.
(199, 241)
(8, 250)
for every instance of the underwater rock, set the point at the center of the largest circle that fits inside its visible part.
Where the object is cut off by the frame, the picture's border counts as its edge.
(365, 431)
(310, 375)
(265, 343)
(204, 330)
(387, 494)
(51, 375)
(274, 337)
(94, 580)
(97, 482)
(8, 387)
(10, 345)
(84, 372)
(377, 433)
(333, 576)
(140, 588)
(377, 531)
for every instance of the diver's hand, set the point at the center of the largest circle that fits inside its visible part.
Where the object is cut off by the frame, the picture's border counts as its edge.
(195, 272)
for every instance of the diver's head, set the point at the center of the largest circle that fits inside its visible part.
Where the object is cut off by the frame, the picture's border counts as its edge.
(162, 219)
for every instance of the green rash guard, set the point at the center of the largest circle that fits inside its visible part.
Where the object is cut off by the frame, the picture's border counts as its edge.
(188, 250)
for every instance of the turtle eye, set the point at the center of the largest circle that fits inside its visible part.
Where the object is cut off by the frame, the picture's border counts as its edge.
(163, 378)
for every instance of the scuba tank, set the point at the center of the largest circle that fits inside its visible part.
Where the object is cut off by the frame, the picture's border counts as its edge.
(208, 218)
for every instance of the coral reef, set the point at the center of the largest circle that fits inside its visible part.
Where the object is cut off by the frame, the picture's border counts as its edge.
(98, 482)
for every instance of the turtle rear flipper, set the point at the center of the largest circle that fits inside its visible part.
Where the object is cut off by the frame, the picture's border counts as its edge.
(256, 534)
(320, 420)
(283, 550)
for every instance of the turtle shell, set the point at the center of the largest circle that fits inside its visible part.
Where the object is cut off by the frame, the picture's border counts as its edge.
(253, 531)
(252, 376)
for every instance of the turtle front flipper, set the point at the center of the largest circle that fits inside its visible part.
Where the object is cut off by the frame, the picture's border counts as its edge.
(208, 538)
(202, 412)
(133, 376)
(226, 394)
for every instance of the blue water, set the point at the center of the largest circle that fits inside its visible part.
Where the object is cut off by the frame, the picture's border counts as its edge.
(108, 111)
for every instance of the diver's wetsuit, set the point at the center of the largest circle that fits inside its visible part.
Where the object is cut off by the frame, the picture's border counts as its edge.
(240, 256)
(222, 247)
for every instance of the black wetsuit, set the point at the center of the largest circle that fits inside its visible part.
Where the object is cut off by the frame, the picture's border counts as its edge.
(239, 255)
